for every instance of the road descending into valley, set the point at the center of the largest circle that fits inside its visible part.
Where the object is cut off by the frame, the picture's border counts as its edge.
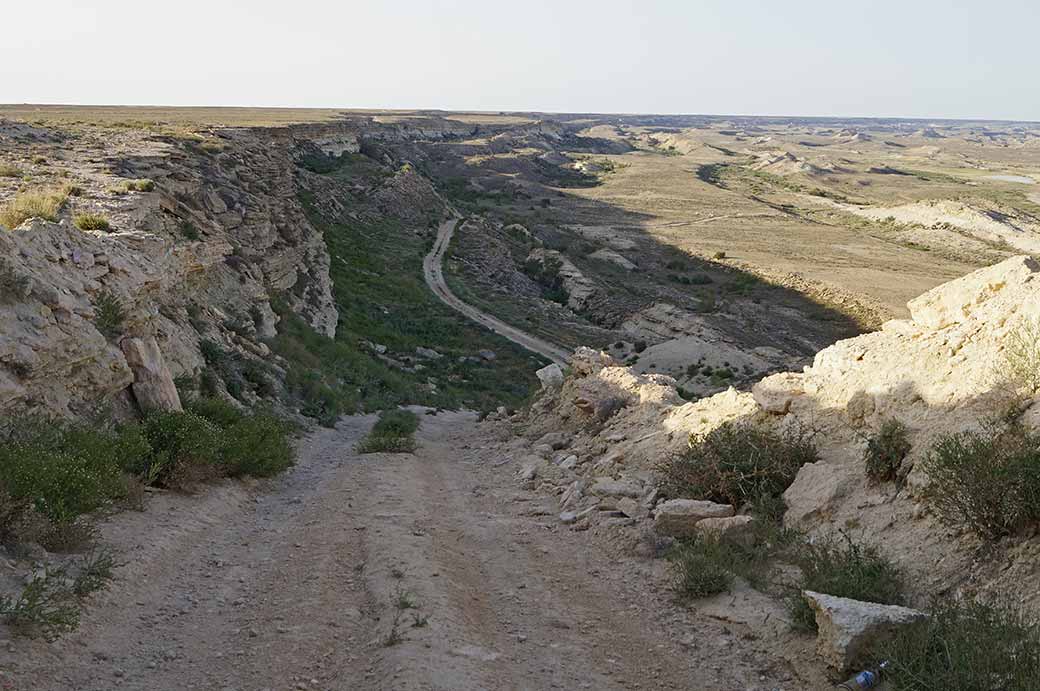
(433, 271)
(384, 571)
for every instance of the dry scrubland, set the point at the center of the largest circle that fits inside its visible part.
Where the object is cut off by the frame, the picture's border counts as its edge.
(192, 292)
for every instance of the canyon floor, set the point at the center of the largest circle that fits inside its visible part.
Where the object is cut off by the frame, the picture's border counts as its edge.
(298, 583)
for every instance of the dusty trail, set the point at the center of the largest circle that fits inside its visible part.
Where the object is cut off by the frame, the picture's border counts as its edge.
(433, 272)
(294, 585)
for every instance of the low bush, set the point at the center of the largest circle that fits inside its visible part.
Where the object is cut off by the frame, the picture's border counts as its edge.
(738, 463)
(257, 445)
(140, 186)
(45, 204)
(46, 607)
(986, 481)
(964, 645)
(885, 451)
(393, 433)
(8, 170)
(1018, 368)
(844, 569)
(109, 314)
(91, 221)
(699, 569)
(186, 449)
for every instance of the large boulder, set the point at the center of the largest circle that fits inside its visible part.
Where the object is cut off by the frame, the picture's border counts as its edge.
(679, 517)
(153, 385)
(551, 377)
(848, 629)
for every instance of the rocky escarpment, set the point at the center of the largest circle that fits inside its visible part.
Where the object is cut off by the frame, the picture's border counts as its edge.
(935, 373)
(193, 256)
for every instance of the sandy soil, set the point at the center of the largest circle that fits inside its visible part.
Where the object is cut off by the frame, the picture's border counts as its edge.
(293, 584)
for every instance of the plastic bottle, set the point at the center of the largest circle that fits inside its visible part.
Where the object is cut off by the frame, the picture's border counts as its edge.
(867, 679)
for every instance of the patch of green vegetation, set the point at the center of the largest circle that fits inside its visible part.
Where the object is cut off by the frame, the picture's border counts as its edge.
(886, 450)
(140, 186)
(188, 230)
(964, 645)
(91, 221)
(842, 568)
(738, 464)
(393, 433)
(109, 314)
(46, 607)
(986, 481)
(382, 299)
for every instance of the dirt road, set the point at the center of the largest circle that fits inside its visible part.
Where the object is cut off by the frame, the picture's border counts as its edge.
(433, 265)
(296, 583)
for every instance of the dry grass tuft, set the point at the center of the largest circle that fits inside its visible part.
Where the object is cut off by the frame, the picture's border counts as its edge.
(43, 204)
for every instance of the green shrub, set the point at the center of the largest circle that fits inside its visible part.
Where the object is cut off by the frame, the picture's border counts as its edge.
(257, 445)
(94, 573)
(699, 569)
(396, 423)
(45, 204)
(738, 464)
(986, 481)
(217, 411)
(62, 470)
(844, 569)
(964, 645)
(186, 449)
(91, 221)
(109, 314)
(886, 450)
(392, 433)
(45, 607)
(188, 230)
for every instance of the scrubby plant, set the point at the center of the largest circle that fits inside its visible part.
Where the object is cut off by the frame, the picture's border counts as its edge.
(8, 170)
(886, 450)
(738, 463)
(95, 572)
(91, 221)
(987, 481)
(257, 445)
(109, 314)
(1018, 368)
(842, 568)
(140, 186)
(393, 432)
(699, 569)
(188, 230)
(964, 645)
(45, 607)
(186, 449)
(45, 204)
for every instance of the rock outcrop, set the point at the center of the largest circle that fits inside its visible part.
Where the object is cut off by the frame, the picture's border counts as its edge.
(848, 629)
(936, 373)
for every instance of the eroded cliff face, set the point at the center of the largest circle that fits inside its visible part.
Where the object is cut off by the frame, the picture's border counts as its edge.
(197, 255)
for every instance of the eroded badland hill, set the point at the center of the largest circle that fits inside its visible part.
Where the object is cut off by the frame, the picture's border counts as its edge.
(424, 400)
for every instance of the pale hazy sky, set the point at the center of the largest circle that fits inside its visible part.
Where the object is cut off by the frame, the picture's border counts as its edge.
(925, 58)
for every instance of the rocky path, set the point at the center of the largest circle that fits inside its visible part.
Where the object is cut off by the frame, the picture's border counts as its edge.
(425, 571)
(433, 272)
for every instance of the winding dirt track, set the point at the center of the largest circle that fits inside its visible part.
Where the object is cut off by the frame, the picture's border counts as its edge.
(433, 271)
(295, 584)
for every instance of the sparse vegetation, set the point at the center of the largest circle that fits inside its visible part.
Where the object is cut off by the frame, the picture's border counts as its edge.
(886, 450)
(699, 568)
(986, 481)
(393, 433)
(140, 186)
(45, 607)
(845, 569)
(109, 314)
(188, 230)
(965, 645)
(738, 463)
(45, 204)
(1018, 370)
(8, 170)
(91, 221)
